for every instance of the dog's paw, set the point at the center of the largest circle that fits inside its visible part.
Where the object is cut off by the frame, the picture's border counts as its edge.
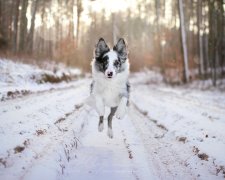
(110, 133)
(120, 112)
(100, 127)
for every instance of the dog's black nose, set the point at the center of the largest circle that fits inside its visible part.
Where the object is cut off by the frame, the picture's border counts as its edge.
(110, 74)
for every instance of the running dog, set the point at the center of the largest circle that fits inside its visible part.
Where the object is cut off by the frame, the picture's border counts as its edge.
(110, 87)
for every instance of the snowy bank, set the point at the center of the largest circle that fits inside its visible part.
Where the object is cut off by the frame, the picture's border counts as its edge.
(18, 79)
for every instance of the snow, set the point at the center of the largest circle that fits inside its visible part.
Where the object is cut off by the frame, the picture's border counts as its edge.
(101, 157)
(16, 76)
(24, 118)
(196, 115)
(47, 154)
(168, 132)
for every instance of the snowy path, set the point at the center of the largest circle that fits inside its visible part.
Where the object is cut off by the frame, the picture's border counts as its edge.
(53, 135)
(99, 157)
(29, 130)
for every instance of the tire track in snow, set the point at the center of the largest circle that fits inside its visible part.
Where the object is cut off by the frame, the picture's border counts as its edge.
(99, 157)
(189, 120)
(21, 94)
(138, 150)
(37, 112)
(60, 151)
(166, 154)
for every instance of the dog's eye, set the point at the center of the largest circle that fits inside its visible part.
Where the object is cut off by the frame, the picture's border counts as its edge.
(104, 64)
(116, 63)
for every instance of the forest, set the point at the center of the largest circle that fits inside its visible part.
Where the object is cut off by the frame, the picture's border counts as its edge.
(153, 108)
(183, 40)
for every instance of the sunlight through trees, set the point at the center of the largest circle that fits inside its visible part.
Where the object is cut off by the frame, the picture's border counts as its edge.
(179, 40)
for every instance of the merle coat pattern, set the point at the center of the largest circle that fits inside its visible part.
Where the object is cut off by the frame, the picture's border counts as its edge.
(110, 87)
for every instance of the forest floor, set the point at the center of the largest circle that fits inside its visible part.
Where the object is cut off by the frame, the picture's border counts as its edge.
(168, 133)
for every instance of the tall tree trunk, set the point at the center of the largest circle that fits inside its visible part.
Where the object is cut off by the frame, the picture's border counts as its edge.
(79, 10)
(158, 39)
(189, 11)
(42, 31)
(3, 25)
(200, 41)
(23, 26)
(15, 25)
(0, 15)
(30, 36)
(212, 40)
(183, 39)
(221, 38)
(10, 22)
(205, 17)
(71, 18)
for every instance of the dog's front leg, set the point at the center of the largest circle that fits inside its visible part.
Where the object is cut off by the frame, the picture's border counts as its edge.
(122, 108)
(101, 111)
(110, 117)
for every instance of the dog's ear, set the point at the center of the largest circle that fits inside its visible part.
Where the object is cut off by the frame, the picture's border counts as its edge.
(121, 49)
(101, 48)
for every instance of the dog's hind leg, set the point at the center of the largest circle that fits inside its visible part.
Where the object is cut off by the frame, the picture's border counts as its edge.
(101, 124)
(101, 110)
(110, 117)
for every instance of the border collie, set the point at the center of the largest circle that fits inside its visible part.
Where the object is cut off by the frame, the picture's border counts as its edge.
(110, 87)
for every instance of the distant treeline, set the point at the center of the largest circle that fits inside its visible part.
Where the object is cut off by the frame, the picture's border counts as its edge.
(183, 39)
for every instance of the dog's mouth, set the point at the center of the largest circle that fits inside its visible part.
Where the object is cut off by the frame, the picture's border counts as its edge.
(110, 77)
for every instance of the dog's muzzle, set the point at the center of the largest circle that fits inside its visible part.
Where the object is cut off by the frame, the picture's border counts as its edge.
(110, 74)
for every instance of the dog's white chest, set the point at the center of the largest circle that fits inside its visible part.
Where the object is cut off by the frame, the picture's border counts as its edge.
(109, 92)
(111, 96)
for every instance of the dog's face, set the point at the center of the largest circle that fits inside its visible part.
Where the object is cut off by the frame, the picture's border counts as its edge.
(110, 62)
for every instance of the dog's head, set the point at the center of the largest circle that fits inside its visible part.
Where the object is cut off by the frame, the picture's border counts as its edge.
(110, 62)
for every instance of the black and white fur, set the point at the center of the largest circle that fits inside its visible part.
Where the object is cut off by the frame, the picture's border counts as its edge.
(110, 87)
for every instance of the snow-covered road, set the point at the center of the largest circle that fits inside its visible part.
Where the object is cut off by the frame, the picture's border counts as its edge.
(53, 135)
